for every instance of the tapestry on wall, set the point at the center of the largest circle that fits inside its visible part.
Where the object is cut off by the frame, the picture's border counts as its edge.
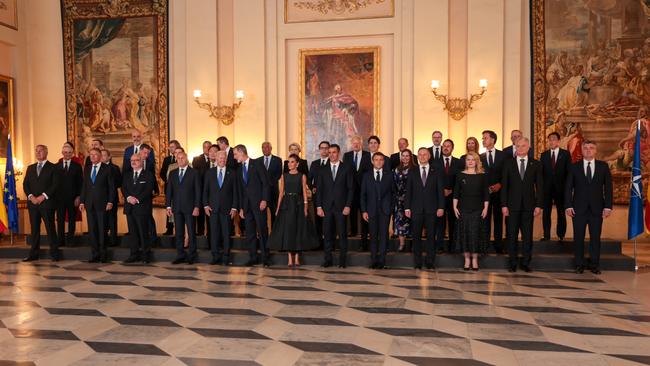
(298, 11)
(116, 73)
(591, 79)
(6, 113)
(339, 96)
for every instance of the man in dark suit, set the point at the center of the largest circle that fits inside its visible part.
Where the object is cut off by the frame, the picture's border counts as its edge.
(450, 167)
(94, 144)
(510, 152)
(117, 184)
(150, 164)
(377, 193)
(164, 171)
(253, 188)
(492, 160)
(97, 197)
(294, 148)
(359, 163)
(67, 197)
(555, 165)
(137, 188)
(224, 145)
(312, 179)
(588, 197)
(424, 205)
(335, 184)
(522, 199)
(201, 163)
(374, 145)
(40, 185)
(273, 166)
(183, 201)
(220, 203)
(402, 144)
(436, 149)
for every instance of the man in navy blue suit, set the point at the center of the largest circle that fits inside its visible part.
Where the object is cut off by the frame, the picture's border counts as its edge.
(135, 148)
(273, 166)
(376, 203)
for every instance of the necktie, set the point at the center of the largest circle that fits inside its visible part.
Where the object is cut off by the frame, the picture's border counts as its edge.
(553, 159)
(135, 177)
(522, 168)
(424, 176)
(220, 178)
(589, 172)
(266, 162)
(181, 173)
(446, 165)
(38, 169)
(65, 166)
(207, 159)
(333, 172)
(514, 152)
(94, 174)
(490, 159)
(245, 173)
(136, 149)
(437, 155)
(322, 162)
(378, 178)
(354, 160)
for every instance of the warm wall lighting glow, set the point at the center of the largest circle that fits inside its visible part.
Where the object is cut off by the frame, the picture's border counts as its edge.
(435, 84)
(483, 83)
(197, 93)
(239, 94)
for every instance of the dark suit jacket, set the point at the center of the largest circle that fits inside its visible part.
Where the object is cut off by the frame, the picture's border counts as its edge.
(494, 172)
(257, 188)
(586, 197)
(364, 166)
(200, 165)
(117, 181)
(555, 178)
(431, 152)
(126, 163)
(69, 182)
(314, 170)
(275, 169)
(377, 198)
(335, 194)
(509, 153)
(142, 189)
(96, 195)
(231, 163)
(425, 199)
(395, 160)
(518, 194)
(455, 166)
(47, 182)
(302, 167)
(222, 199)
(165, 166)
(183, 197)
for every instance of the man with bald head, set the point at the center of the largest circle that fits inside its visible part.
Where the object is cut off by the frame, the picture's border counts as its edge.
(137, 138)
(511, 151)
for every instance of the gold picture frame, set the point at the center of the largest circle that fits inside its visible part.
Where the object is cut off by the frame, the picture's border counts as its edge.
(309, 11)
(104, 98)
(353, 68)
(7, 114)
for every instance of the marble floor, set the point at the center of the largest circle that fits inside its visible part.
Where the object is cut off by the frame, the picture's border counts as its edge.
(74, 313)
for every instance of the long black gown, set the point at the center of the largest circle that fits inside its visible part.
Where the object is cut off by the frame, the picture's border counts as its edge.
(471, 190)
(293, 231)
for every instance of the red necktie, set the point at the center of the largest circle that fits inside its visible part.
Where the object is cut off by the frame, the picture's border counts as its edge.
(446, 165)
(553, 158)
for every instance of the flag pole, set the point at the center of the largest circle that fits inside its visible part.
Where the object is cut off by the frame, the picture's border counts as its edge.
(638, 130)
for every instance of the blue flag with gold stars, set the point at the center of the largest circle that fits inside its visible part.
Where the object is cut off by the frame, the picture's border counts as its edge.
(10, 200)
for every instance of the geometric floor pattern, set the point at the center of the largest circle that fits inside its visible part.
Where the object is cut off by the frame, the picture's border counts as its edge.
(74, 313)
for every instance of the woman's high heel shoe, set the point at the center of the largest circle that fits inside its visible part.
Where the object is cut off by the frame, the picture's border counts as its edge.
(465, 268)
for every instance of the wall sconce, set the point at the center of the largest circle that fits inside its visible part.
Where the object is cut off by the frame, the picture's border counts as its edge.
(223, 113)
(458, 107)
(18, 168)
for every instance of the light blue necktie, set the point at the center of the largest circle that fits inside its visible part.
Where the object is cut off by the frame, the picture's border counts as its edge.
(220, 178)
(245, 173)
(180, 176)
(94, 174)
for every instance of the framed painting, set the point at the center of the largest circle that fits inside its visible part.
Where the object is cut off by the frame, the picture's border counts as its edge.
(9, 13)
(116, 73)
(591, 80)
(6, 113)
(339, 96)
(300, 11)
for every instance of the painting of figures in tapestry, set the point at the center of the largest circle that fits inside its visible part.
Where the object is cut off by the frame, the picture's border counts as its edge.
(116, 78)
(339, 96)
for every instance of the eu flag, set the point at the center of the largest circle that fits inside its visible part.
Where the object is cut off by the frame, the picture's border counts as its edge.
(635, 213)
(10, 200)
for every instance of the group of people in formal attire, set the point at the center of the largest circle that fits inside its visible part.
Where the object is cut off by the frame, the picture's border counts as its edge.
(427, 196)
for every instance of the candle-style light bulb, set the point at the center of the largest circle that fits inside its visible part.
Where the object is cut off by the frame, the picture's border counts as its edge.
(483, 83)
(239, 94)
(197, 93)
(435, 84)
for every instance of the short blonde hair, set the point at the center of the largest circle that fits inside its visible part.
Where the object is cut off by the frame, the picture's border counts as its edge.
(296, 145)
(477, 159)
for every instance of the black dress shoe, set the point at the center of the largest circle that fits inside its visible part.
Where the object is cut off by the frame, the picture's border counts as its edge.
(596, 271)
(417, 266)
(580, 269)
(512, 269)
(268, 263)
(131, 259)
(216, 261)
(192, 260)
(342, 265)
(326, 264)
(544, 239)
(178, 261)
(250, 263)
(561, 239)
(94, 260)
(372, 266)
(526, 269)
(466, 268)
(30, 258)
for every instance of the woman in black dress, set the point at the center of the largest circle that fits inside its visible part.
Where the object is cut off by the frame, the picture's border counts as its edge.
(293, 230)
(471, 198)
(401, 223)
